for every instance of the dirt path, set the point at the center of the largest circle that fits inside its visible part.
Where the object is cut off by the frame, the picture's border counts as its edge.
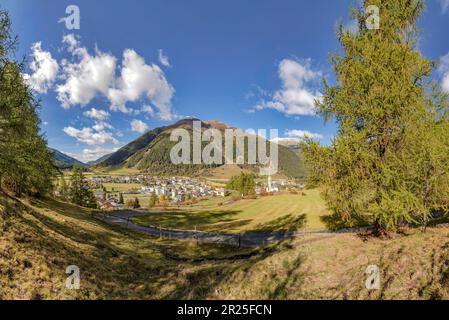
(249, 239)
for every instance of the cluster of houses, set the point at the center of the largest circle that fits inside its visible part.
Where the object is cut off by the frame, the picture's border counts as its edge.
(178, 189)
(174, 189)
(273, 186)
(108, 202)
(96, 182)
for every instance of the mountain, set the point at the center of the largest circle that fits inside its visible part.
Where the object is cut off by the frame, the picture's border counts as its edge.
(151, 153)
(64, 161)
(99, 160)
(292, 144)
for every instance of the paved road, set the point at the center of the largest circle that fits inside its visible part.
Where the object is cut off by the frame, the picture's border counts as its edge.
(250, 239)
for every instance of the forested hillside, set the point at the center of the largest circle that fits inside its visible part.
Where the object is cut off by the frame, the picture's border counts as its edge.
(64, 161)
(151, 153)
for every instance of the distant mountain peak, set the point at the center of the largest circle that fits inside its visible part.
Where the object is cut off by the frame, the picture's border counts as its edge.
(64, 161)
(151, 153)
(217, 124)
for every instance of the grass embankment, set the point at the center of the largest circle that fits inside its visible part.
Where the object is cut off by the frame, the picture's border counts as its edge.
(39, 239)
(412, 266)
(278, 212)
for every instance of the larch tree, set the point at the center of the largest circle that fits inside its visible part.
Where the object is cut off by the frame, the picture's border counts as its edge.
(26, 164)
(80, 193)
(389, 161)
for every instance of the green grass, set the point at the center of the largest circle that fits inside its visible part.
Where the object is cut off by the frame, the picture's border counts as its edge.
(116, 172)
(120, 187)
(143, 199)
(271, 213)
(40, 238)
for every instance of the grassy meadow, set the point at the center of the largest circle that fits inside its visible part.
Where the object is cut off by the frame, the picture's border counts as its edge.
(40, 238)
(121, 187)
(279, 212)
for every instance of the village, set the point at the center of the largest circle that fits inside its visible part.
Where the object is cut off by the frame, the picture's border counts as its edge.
(174, 190)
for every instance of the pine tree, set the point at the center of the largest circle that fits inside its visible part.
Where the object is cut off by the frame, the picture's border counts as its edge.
(26, 164)
(129, 203)
(121, 198)
(163, 201)
(80, 193)
(136, 204)
(63, 189)
(389, 160)
(153, 200)
(244, 184)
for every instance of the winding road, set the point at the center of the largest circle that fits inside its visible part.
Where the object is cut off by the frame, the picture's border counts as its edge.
(249, 239)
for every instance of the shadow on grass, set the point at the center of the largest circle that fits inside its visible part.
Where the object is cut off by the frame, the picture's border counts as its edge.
(65, 209)
(208, 281)
(291, 278)
(108, 270)
(188, 220)
(283, 224)
(335, 222)
(140, 267)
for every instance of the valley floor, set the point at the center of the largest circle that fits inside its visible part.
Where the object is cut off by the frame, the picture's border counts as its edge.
(278, 212)
(39, 239)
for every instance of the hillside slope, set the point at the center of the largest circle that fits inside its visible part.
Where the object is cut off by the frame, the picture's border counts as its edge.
(64, 161)
(151, 153)
(39, 239)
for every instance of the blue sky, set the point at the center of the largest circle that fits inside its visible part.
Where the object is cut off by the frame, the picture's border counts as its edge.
(137, 65)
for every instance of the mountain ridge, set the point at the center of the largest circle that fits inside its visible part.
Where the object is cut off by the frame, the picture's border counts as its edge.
(64, 161)
(151, 153)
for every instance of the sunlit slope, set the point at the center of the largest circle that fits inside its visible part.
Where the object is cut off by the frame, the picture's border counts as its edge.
(279, 212)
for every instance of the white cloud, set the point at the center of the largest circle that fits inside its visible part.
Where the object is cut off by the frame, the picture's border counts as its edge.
(97, 114)
(138, 80)
(301, 134)
(163, 59)
(138, 126)
(94, 154)
(86, 77)
(148, 110)
(101, 125)
(90, 136)
(295, 98)
(71, 41)
(87, 155)
(444, 5)
(44, 68)
(443, 69)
